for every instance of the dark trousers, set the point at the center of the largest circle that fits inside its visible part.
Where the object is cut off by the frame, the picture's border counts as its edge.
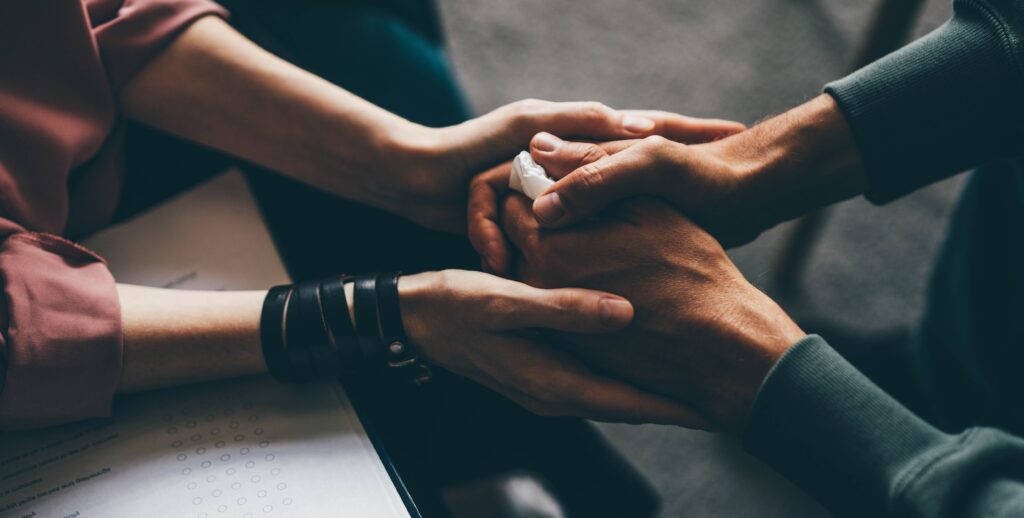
(454, 433)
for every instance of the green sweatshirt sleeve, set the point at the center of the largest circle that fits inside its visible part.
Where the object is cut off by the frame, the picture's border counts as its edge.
(947, 102)
(830, 430)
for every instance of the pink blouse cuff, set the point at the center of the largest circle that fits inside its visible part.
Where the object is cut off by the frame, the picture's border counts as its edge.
(60, 332)
(132, 32)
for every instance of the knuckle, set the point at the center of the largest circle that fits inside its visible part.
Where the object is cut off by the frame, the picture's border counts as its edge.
(590, 177)
(655, 141)
(591, 153)
(478, 182)
(593, 110)
(656, 155)
(446, 282)
(531, 106)
(568, 304)
(496, 308)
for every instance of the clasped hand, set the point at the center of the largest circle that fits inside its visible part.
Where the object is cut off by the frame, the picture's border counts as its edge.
(702, 335)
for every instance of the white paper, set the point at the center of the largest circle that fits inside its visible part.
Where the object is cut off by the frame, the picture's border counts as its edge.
(241, 448)
(528, 177)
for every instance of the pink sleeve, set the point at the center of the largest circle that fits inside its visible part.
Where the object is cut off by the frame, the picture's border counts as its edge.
(131, 32)
(60, 332)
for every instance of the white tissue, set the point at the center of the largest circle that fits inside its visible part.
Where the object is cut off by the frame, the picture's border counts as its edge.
(528, 177)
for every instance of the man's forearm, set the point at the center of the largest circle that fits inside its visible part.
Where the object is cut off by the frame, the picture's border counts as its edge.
(215, 87)
(798, 161)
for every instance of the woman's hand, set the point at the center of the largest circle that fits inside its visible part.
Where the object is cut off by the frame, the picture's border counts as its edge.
(490, 330)
(702, 334)
(432, 167)
(735, 187)
(593, 176)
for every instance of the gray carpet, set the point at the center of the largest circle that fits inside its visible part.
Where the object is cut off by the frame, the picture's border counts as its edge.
(739, 60)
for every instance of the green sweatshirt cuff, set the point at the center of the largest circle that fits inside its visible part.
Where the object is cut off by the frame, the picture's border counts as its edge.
(830, 430)
(943, 104)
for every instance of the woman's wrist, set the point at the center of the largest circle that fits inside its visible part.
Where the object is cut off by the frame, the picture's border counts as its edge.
(378, 160)
(796, 162)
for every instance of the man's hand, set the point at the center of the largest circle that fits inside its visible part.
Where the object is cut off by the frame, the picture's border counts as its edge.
(735, 187)
(702, 334)
(433, 167)
(486, 329)
(488, 188)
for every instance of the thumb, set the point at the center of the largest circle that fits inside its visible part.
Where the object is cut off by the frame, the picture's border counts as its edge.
(559, 157)
(596, 185)
(573, 310)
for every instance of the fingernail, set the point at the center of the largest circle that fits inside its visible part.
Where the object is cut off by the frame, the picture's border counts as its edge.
(615, 312)
(546, 142)
(549, 208)
(634, 124)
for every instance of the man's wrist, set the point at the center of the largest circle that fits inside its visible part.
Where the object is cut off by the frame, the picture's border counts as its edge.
(793, 163)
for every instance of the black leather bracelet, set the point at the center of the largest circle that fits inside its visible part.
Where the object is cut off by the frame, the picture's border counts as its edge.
(392, 331)
(339, 323)
(364, 300)
(272, 339)
(324, 355)
(302, 328)
(401, 355)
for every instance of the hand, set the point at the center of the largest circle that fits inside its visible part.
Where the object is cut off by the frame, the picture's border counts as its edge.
(434, 166)
(735, 187)
(702, 334)
(485, 328)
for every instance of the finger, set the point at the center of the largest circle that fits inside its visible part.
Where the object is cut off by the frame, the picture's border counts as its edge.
(559, 157)
(518, 222)
(588, 189)
(485, 234)
(589, 119)
(688, 130)
(557, 384)
(518, 306)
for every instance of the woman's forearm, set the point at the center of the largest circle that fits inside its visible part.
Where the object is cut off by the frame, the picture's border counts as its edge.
(215, 87)
(173, 337)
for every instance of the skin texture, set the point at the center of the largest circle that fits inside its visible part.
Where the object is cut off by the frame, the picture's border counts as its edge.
(477, 325)
(498, 333)
(238, 98)
(702, 334)
(615, 221)
(736, 187)
(215, 87)
(173, 337)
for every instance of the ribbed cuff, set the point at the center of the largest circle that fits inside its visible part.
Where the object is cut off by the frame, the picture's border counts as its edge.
(830, 430)
(943, 104)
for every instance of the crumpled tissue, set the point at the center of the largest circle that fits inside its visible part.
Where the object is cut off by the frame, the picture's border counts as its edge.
(528, 177)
